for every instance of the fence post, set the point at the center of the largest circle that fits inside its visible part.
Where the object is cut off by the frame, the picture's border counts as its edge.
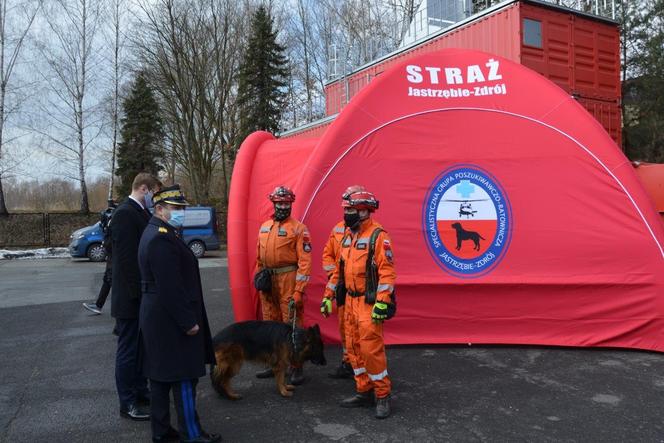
(44, 240)
(48, 230)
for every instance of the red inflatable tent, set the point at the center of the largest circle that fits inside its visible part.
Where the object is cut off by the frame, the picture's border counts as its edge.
(514, 216)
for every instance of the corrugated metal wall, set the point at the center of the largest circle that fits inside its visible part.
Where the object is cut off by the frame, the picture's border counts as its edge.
(579, 54)
(582, 56)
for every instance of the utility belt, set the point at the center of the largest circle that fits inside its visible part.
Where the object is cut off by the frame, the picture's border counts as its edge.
(283, 269)
(148, 286)
(354, 294)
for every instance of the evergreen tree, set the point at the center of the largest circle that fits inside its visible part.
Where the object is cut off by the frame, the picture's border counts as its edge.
(140, 148)
(643, 83)
(262, 78)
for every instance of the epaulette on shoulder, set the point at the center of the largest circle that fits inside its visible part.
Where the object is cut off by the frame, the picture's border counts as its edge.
(163, 230)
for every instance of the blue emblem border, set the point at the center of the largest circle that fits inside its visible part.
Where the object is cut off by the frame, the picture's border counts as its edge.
(434, 251)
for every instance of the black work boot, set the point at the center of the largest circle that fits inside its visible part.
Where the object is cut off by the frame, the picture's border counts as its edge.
(359, 400)
(383, 407)
(267, 373)
(296, 377)
(344, 370)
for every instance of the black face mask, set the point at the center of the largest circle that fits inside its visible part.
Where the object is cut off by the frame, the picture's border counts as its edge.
(352, 220)
(281, 214)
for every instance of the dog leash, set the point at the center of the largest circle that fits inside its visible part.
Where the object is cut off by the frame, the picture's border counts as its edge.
(293, 313)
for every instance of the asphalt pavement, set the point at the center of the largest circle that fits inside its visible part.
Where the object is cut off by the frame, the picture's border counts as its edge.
(57, 381)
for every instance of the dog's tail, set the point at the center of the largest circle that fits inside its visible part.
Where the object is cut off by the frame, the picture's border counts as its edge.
(481, 237)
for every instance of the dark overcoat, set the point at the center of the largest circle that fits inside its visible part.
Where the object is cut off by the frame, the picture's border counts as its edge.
(172, 304)
(127, 225)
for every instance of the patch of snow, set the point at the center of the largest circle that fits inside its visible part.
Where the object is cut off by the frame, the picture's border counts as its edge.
(32, 254)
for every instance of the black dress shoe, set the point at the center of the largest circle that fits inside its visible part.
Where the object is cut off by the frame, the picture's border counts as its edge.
(133, 412)
(171, 435)
(205, 438)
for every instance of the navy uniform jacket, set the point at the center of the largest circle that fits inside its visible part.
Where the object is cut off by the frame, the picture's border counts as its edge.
(172, 304)
(128, 222)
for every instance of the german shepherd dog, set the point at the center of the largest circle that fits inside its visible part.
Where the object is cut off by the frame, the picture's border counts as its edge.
(272, 343)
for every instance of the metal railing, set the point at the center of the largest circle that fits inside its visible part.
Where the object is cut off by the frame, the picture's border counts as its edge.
(435, 15)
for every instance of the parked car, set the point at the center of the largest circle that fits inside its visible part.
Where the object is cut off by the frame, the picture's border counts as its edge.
(200, 233)
(87, 242)
(200, 230)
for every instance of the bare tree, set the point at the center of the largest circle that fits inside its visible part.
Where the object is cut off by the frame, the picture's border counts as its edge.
(70, 111)
(118, 39)
(10, 48)
(329, 38)
(192, 50)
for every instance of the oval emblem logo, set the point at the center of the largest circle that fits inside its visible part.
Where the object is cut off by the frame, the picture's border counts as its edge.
(467, 221)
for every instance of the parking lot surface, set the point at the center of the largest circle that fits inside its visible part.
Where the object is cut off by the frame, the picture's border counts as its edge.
(57, 380)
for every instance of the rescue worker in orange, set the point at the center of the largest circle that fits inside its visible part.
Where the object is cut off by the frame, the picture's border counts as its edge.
(369, 300)
(284, 247)
(330, 258)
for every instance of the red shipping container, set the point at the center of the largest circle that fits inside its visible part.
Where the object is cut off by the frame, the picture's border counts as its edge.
(578, 52)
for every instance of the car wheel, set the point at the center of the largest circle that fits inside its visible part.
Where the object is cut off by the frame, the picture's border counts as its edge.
(96, 252)
(198, 248)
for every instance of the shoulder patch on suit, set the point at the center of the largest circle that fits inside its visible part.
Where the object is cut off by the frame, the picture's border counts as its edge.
(163, 230)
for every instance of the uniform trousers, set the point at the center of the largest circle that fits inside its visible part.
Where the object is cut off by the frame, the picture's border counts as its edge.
(184, 397)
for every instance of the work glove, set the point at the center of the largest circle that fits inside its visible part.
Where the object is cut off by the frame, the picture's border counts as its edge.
(326, 307)
(295, 301)
(379, 312)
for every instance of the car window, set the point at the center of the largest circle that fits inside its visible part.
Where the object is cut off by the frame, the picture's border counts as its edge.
(196, 217)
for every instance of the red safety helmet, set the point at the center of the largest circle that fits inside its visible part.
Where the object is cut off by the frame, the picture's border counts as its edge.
(351, 190)
(361, 200)
(282, 194)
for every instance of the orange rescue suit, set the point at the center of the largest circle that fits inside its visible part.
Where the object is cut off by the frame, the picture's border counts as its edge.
(330, 258)
(364, 338)
(284, 247)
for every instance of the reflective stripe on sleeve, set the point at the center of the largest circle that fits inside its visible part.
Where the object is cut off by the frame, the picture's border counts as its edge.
(339, 230)
(329, 267)
(265, 229)
(375, 377)
(382, 288)
(331, 286)
(359, 371)
(300, 277)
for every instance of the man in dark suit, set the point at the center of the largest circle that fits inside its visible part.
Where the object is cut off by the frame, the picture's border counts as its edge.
(129, 220)
(176, 343)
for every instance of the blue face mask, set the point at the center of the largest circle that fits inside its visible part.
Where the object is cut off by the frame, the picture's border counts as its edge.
(177, 218)
(148, 200)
